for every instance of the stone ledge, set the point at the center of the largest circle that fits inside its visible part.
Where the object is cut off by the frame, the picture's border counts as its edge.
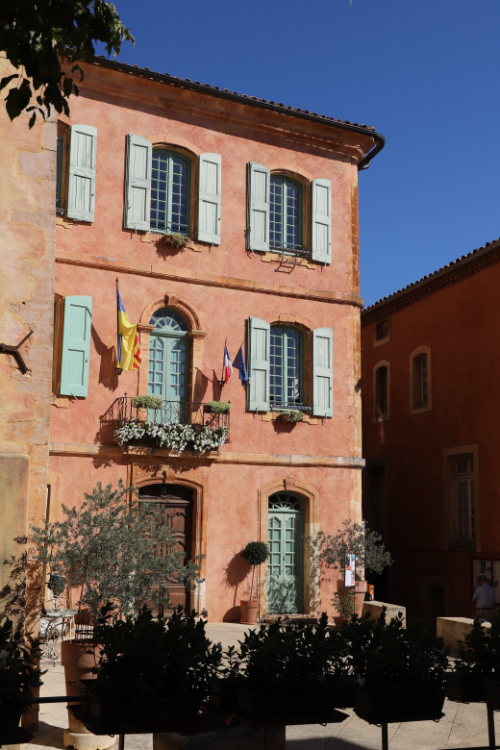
(208, 279)
(227, 457)
(454, 629)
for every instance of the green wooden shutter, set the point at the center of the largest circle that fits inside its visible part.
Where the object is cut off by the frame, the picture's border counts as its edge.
(138, 183)
(76, 346)
(81, 178)
(321, 230)
(209, 198)
(322, 341)
(259, 179)
(259, 355)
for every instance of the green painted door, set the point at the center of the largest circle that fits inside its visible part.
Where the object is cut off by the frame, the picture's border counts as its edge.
(169, 366)
(285, 568)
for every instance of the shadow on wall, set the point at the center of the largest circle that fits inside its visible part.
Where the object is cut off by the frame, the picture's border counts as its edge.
(235, 572)
(13, 593)
(108, 377)
(200, 386)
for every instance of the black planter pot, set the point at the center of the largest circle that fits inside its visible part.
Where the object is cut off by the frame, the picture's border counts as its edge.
(466, 688)
(383, 708)
(107, 711)
(492, 692)
(313, 705)
(10, 716)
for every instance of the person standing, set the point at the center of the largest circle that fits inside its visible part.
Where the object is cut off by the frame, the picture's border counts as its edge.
(484, 596)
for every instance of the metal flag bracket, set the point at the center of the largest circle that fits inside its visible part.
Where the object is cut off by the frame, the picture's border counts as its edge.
(14, 350)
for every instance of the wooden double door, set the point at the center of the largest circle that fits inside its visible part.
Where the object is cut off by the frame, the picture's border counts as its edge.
(177, 504)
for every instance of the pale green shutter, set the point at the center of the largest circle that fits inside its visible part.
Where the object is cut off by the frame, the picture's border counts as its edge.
(76, 346)
(259, 179)
(138, 183)
(81, 178)
(259, 355)
(322, 341)
(209, 198)
(321, 229)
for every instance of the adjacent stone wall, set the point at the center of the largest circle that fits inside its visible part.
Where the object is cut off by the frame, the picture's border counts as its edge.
(27, 249)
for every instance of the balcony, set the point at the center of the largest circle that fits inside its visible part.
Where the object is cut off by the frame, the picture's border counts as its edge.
(176, 425)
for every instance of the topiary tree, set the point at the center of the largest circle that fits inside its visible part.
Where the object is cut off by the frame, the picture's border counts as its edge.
(255, 553)
(117, 549)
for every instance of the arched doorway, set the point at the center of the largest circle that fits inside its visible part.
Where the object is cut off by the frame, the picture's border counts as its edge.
(285, 566)
(177, 502)
(169, 365)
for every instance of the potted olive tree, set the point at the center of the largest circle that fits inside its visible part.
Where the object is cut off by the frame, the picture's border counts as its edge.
(255, 553)
(19, 673)
(353, 539)
(150, 669)
(115, 549)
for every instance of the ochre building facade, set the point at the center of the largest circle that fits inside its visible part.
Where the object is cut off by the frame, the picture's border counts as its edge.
(430, 435)
(223, 218)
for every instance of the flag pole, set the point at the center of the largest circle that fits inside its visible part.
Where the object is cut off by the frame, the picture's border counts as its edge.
(118, 369)
(223, 379)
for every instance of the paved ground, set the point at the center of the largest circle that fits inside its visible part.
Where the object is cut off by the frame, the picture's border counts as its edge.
(463, 726)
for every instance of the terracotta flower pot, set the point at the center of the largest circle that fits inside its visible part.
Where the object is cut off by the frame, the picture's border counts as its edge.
(78, 665)
(142, 414)
(249, 612)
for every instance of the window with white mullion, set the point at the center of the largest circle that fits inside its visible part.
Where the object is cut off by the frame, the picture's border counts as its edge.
(464, 484)
(170, 192)
(286, 384)
(285, 228)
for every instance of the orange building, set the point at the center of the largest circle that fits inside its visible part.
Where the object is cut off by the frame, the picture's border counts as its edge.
(430, 433)
(223, 217)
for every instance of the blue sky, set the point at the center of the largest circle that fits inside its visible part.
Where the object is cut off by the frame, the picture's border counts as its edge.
(425, 73)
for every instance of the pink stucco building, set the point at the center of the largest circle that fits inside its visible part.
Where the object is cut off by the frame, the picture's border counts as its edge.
(262, 203)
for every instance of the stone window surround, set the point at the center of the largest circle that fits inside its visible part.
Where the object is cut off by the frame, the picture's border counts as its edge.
(449, 456)
(416, 353)
(196, 335)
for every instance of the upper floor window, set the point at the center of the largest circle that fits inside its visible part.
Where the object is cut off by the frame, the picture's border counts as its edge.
(286, 386)
(274, 215)
(381, 392)
(285, 214)
(170, 189)
(382, 331)
(420, 380)
(277, 375)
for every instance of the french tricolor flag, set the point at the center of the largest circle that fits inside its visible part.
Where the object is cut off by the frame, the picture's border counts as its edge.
(227, 367)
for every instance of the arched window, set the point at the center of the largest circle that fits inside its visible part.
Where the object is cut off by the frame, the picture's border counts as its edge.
(286, 367)
(285, 213)
(169, 363)
(170, 188)
(381, 391)
(420, 380)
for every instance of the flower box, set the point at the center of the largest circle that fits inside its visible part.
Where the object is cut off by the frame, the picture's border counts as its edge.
(466, 688)
(107, 711)
(492, 692)
(10, 716)
(283, 705)
(390, 708)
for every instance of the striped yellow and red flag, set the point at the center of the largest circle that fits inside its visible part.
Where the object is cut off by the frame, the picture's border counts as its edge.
(129, 354)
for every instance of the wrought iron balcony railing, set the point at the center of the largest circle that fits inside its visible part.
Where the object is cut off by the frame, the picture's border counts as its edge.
(195, 414)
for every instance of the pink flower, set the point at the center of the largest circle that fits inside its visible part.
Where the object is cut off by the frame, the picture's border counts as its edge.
(228, 722)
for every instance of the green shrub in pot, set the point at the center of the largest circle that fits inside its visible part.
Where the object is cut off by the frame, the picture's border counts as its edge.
(290, 669)
(147, 402)
(474, 662)
(19, 673)
(402, 671)
(146, 659)
(219, 407)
